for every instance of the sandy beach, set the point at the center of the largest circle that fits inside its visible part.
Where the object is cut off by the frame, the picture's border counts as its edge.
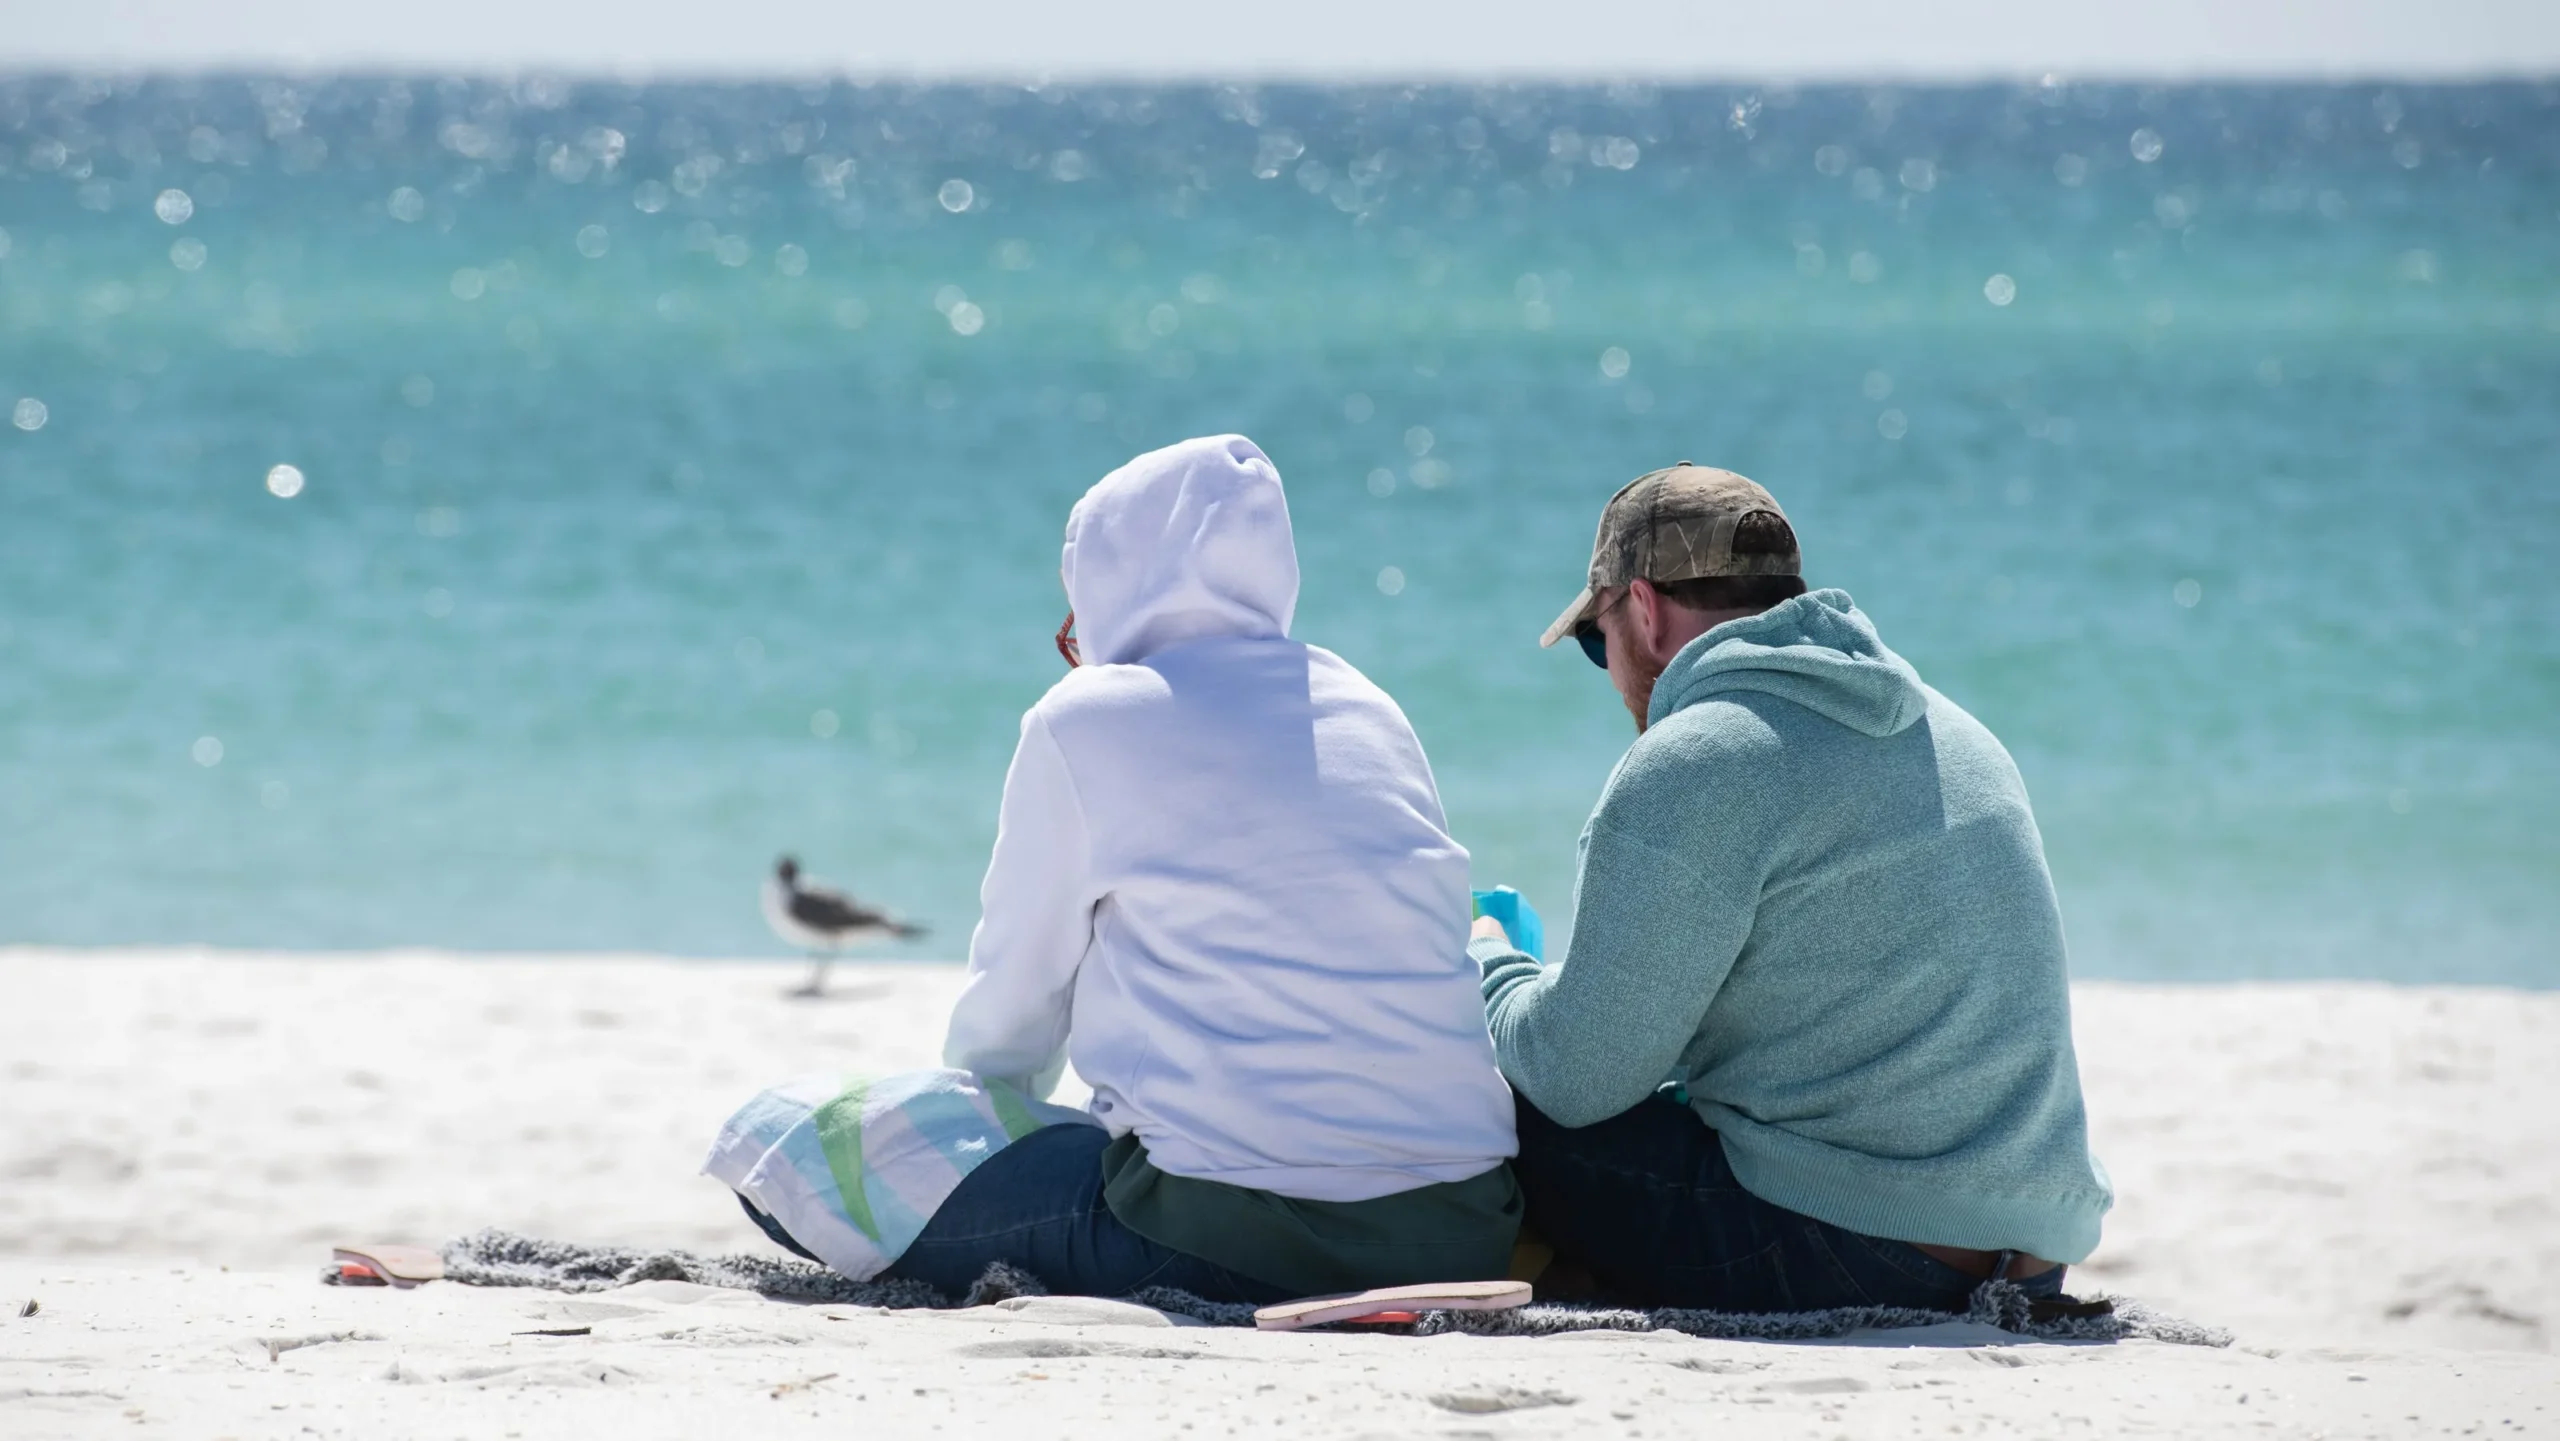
(2359, 1181)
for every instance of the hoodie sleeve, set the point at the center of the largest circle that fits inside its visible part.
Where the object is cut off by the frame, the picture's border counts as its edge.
(1657, 926)
(1035, 922)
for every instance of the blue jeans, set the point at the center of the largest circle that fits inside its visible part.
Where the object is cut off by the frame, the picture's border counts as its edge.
(1037, 1205)
(1647, 1203)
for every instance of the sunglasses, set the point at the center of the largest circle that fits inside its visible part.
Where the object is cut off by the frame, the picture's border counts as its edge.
(1594, 644)
(1068, 649)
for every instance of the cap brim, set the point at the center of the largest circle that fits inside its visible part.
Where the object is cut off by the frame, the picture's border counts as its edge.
(1574, 615)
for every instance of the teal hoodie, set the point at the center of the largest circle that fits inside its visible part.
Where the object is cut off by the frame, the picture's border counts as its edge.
(1814, 896)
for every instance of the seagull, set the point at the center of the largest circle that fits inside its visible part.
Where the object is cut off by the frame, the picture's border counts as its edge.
(824, 922)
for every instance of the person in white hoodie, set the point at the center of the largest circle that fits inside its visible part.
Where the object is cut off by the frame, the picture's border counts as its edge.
(1222, 884)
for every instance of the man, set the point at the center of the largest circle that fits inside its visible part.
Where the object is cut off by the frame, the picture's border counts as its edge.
(1810, 1042)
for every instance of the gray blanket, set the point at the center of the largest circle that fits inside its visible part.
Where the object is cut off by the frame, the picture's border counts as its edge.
(502, 1258)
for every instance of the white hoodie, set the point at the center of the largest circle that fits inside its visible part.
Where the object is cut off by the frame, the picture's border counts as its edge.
(1222, 880)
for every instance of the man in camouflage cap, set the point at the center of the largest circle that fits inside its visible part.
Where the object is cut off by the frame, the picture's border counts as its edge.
(1809, 1044)
(1711, 541)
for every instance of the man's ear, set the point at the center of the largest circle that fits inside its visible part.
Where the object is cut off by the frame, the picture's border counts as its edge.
(1644, 611)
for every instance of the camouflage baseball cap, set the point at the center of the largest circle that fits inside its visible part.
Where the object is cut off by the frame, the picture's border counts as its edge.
(1674, 524)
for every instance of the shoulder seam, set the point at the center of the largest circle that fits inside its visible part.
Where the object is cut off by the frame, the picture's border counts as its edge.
(1075, 793)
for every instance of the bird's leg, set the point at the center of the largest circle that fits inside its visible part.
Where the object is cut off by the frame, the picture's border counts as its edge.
(817, 982)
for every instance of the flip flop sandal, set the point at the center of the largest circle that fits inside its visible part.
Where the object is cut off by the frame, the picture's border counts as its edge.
(1392, 1305)
(401, 1266)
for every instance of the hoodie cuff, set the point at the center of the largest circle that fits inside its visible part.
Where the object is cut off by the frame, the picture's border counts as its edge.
(1499, 960)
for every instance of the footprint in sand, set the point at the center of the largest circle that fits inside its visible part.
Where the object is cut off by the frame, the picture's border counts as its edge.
(1818, 1386)
(1048, 1348)
(1487, 1400)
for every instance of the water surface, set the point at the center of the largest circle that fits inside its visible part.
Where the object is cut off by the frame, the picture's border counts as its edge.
(682, 471)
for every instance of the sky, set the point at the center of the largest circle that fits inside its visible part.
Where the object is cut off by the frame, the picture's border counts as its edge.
(1810, 39)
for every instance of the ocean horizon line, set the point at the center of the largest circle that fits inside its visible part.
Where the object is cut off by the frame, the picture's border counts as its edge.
(408, 68)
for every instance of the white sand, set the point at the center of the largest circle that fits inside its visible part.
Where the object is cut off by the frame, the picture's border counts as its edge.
(2362, 1181)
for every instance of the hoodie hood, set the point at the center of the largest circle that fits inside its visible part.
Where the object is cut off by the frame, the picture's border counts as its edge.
(1181, 544)
(1817, 650)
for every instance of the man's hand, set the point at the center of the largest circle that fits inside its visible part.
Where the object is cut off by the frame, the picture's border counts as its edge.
(1487, 928)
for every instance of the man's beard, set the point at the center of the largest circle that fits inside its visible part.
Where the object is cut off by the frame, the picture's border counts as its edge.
(1639, 696)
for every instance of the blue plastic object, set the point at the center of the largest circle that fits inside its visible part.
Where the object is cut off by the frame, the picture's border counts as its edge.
(1519, 919)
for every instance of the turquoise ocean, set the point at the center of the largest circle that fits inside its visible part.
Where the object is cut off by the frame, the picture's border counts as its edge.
(507, 515)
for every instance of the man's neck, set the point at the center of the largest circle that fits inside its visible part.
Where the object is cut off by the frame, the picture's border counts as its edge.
(1681, 625)
(1685, 625)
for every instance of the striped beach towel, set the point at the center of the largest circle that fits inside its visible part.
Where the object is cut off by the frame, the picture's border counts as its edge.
(852, 1168)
